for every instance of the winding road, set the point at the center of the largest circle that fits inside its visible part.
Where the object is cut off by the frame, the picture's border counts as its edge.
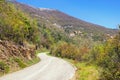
(49, 68)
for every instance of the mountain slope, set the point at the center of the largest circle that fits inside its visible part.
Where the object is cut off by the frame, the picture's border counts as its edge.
(62, 20)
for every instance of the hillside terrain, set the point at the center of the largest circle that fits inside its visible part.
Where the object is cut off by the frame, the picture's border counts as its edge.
(69, 24)
(17, 49)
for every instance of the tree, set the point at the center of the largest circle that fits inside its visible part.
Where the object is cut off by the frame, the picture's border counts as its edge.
(110, 62)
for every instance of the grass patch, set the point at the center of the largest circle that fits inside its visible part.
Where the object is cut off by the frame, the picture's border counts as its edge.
(41, 50)
(85, 71)
(33, 61)
(20, 63)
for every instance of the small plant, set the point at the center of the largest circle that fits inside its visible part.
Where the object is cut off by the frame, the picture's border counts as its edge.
(33, 61)
(4, 67)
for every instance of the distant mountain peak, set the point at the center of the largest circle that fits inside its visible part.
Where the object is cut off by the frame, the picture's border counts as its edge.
(46, 9)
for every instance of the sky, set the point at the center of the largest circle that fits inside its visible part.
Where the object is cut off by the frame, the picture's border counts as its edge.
(101, 12)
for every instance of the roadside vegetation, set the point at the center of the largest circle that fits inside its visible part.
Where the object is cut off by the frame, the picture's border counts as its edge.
(85, 71)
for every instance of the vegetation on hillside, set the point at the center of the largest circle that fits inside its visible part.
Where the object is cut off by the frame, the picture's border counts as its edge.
(16, 26)
(18, 36)
(69, 25)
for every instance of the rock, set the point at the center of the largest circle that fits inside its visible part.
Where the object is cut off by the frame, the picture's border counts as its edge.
(10, 51)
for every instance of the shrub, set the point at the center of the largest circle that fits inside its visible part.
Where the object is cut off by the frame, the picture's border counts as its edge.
(20, 63)
(4, 67)
(66, 50)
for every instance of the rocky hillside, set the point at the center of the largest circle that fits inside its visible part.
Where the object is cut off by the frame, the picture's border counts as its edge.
(14, 57)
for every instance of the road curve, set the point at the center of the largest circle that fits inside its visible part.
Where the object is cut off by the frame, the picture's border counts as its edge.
(49, 68)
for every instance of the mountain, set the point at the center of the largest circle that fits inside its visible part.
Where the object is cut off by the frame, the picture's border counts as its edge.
(64, 21)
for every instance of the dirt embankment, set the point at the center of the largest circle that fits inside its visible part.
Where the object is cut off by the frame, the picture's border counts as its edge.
(14, 56)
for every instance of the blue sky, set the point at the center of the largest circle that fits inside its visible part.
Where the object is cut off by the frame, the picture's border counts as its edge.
(101, 12)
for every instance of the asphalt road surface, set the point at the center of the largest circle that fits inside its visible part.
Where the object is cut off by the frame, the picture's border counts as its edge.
(49, 68)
